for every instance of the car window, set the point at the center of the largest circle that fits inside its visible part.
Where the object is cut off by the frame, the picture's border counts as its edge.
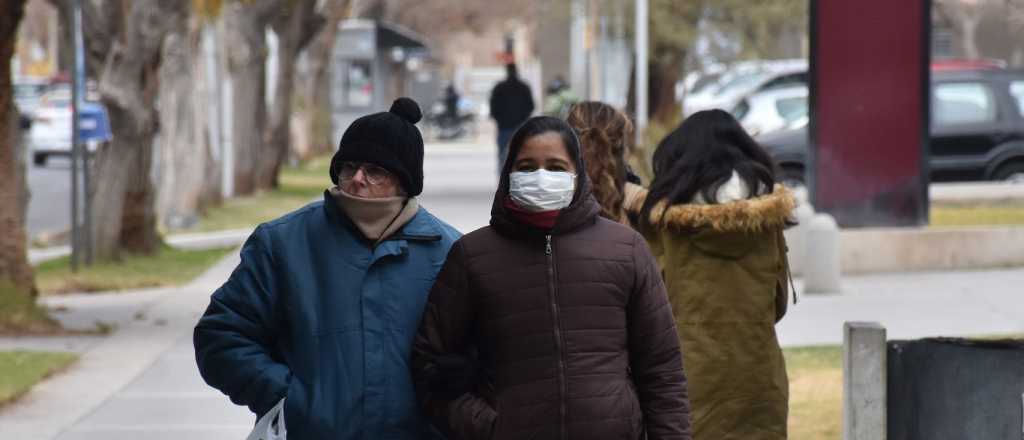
(1017, 90)
(791, 79)
(963, 103)
(705, 82)
(740, 110)
(791, 109)
(740, 82)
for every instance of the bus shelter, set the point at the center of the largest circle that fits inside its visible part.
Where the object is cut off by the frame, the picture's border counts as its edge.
(373, 64)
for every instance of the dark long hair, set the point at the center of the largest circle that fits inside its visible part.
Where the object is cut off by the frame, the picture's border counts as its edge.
(700, 155)
(603, 132)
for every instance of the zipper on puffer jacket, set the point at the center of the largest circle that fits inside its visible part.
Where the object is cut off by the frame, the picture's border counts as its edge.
(552, 292)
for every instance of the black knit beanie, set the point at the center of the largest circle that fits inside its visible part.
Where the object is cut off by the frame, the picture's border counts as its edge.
(389, 140)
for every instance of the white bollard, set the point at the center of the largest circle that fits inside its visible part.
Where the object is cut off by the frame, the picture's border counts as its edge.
(864, 381)
(821, 261)
(796, 237)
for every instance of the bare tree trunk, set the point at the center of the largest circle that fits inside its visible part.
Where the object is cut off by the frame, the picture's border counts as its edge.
(245, 34)
(123, 212)
(665, 73)
(15, 271)
(294, 30)
(312, 121)
(211, 192)
(182, 144)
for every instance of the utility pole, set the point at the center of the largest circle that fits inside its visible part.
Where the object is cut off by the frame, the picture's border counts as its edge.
(225, 88)
(578, 68)
(76, 147)
(641, 69)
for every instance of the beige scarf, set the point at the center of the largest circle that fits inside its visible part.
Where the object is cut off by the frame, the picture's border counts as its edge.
(378, 219)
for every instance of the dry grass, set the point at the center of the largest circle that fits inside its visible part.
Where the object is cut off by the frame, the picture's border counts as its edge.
(19, 313)
(815, 392)
(977, 214)
(298, 187)
(20, 370)
(170, 267)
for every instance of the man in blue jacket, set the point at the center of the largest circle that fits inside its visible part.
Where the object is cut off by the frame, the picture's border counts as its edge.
(321, 312)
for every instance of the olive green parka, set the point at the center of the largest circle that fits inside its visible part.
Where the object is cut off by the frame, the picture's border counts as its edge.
(726, 272)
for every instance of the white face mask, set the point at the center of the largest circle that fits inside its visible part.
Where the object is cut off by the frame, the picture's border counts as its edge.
(542, 190)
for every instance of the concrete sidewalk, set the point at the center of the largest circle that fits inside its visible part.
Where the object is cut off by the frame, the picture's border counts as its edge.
(140, 381)
(911, 305)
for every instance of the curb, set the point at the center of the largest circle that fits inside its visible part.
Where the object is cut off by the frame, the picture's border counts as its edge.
(193, 242)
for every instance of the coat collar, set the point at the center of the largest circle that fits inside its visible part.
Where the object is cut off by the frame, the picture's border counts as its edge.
(772, 210)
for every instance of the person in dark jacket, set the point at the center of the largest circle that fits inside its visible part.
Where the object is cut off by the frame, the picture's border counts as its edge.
(321, 312)
(511, 104)
(552, 322)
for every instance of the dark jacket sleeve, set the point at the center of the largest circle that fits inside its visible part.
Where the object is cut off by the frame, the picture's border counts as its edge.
(235, 338)
(654, 354)
(444, 368)
(782, 279)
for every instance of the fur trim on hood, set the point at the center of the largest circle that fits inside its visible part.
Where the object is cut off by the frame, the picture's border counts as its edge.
(769, 211)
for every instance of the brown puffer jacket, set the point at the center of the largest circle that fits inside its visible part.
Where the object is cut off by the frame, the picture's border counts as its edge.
(571, 329)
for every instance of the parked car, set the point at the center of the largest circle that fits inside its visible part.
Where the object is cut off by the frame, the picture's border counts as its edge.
(50, 134)
(732, 88)
(771, 110)
(977, 130)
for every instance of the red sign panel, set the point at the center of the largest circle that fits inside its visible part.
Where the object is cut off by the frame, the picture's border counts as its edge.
(869, 106)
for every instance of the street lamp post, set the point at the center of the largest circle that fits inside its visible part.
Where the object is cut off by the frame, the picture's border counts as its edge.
(76, 147)
(641, 69)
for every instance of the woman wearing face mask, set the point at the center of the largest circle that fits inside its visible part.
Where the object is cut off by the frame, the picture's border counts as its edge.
(714, 217)
(553, 322)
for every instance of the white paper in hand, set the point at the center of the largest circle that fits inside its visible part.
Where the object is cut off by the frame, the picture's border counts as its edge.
(271, 425)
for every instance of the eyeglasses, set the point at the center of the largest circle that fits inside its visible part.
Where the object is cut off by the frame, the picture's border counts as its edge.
(374, 174)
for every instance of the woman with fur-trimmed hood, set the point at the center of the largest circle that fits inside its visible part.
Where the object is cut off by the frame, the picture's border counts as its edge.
(714, 218)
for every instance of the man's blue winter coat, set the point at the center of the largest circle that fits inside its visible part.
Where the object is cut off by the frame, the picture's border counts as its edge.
(314, 314)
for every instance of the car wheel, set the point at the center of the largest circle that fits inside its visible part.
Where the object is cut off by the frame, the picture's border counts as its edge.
(39, 159)
(1012, 173)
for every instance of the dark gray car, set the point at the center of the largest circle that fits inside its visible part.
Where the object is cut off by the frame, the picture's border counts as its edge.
(977, 130)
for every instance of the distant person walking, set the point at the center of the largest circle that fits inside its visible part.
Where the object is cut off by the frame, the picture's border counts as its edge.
(511, 105)
(451, 103)
(559, 98)
(714, 218)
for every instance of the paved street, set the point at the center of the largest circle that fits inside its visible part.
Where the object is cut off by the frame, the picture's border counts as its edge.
(49, 208)
(141, 381)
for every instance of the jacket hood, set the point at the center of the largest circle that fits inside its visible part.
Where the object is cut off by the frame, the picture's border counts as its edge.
(583, 210)
(723, 229)
(772, 210)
